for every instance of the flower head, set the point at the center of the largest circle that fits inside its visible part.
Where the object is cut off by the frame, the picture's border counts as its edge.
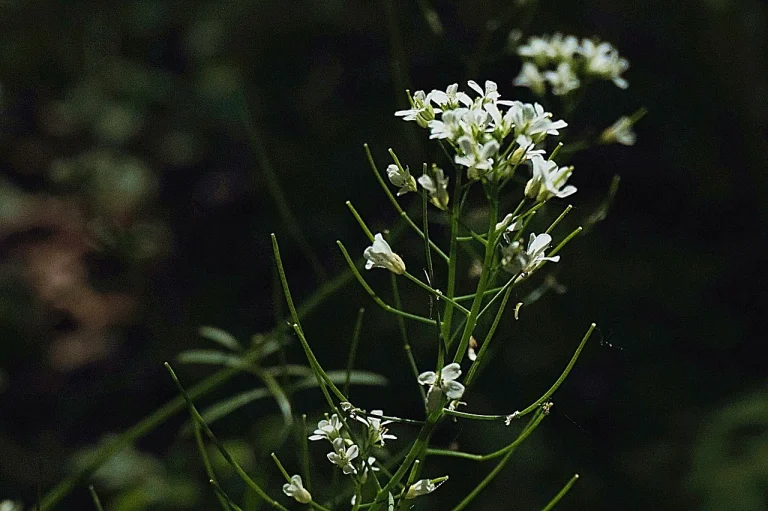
(328, 429)
(380, 255)
(446, 384)
(516, 260)
(342, 456)
(532, 121)
(401, 177)
(451, 98)
(548, 180)
(619, 132)
(531, 77)
(478, 158)
(436, 186)
(490, 94)
(377, 432)
(424, 487)
(296, 490)
(562, 79)
(421, 110)
(603, 61)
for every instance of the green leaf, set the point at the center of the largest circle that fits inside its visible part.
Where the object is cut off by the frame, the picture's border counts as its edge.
(221, 337)
(212, 357)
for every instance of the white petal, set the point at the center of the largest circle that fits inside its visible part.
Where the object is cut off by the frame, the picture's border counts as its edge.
(428, 378)
(453, 389)
(539, 243)
(450, 372)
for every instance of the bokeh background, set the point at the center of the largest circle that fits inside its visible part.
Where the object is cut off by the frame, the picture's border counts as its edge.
(142, 143)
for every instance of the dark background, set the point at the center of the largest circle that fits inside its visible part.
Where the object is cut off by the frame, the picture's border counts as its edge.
(135, 206)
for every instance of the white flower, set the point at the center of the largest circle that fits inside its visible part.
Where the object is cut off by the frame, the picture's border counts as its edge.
(537, 49)
(421, 110)
(328, 429)
(9, 505)
(449, 126)
(563, 47)
(343, 456)
(423, 487)
(477, 158)
(436, 187)
(380, 255)
(533, 122)
(603, 61)
(377, 433)
(445, 384)
(563, 79)
(531, 77)
(525, 150)
(620, 132)
(489, 94)
(296, 490)
(515, 260)
(372, 464)
(548, 180)
(451, 98)
(401, 177)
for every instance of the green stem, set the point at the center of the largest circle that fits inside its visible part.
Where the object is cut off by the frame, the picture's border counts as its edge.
(498, 468)
(561, 493)
(490, 250)
(404, 335)
(437, 293)
(95, 497)
(452, 259)
(559, 219)
(396, 205)
(207, 461)
(562, 377)
(353, 348)
(238, 469)
(484, 347)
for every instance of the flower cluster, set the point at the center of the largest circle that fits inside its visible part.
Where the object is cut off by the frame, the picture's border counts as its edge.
(491, 136)
(523, 261)
(346, 454)
(564, 62)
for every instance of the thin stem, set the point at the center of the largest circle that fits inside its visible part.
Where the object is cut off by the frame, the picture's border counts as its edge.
(453, 258)
(484, 347)
(373, 295)
(238, 469)
(559, 219)
(304, 445)
(95, 497)
(563, 243)
(436, 292)
(561, 493)
(278, 196)
(404, 335)
(509, 451)
(207, 461)
(562, 377)
(223, 495)
(490, 250)
(360, 221)
(353, 349)
(472, 416)
(396, 204)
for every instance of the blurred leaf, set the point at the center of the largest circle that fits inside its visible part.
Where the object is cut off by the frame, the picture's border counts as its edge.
(213, 357)
(220, 336)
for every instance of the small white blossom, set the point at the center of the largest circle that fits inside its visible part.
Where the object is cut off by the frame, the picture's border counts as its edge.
(563, 79)
(603, 61)
(296, 490)
(436, 187)
(446, 384)
(537, 49)
(377, 433)
(451, 98)
(526, 150)
(449, 126)
(477, 158)
(490, 93)
(380, 255)
(531, 77)
(423, 487)
(619, 132)
(421, 110)
(525, 262)
(401, 177)
(9, 505)
(532, 121)
(329, 429)
(563, 47)
(343, 456)
(548, 180)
